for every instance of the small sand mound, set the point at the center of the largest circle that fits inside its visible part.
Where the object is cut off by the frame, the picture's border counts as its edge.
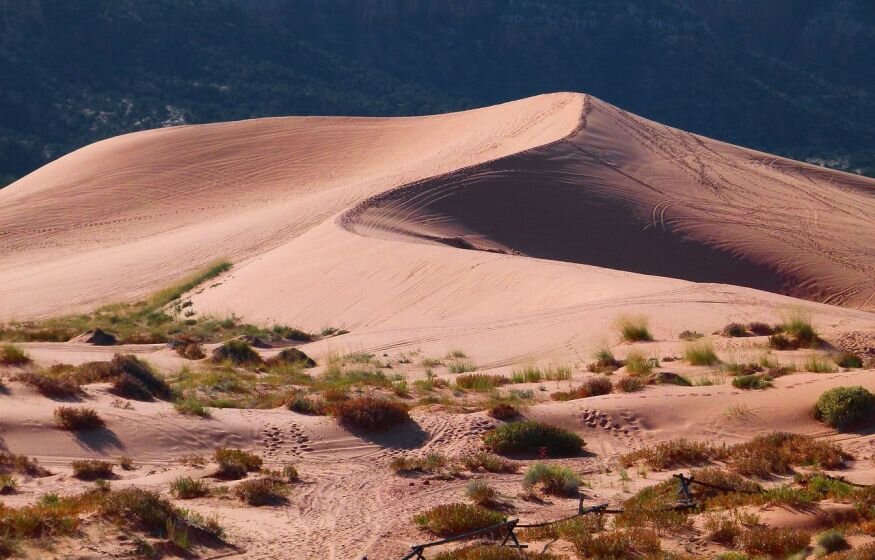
(292, 356)
(96, 337)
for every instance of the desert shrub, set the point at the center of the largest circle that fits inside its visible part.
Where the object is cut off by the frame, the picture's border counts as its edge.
(291, 356)
(722, 529)
(138, 507)
(261, 491)
(431, 463)
(638, 364)
(760, 329)
(862, 552)
(848, 360)
(634, 328)
(235, 463)
(700, 353)
(797, 324)
(134, 379)
(449, 520)
(527, 374)
(570, 395)
(291, 474)
(77, 418)
(652, 506)
(186, 488)
(237, 352)
(605, 361)
(51, 386)
(92, 469)
(734, 330)
(774, 541)
(842, 407)
(494, 552)
(617, 545)
(720, 477)
(530, 436)
(371, 413)
(670, 454)
(126, 463)
(480, 493)
(7, 484)
(555, 480)
(460, 365)
(781, 342)
(191, 351)
(669, 378)
(752, 382)
(831, 541)
(629, 384)
(504, 411)
(191, 406)
(9, 462)
(598, 386)
(777, 452)
(689, 336)
(816, 364)
(480, 381)
(302, 404)
(489, 463)
(12, 355)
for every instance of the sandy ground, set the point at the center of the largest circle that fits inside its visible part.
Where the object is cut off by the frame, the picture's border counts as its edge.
(517, 233)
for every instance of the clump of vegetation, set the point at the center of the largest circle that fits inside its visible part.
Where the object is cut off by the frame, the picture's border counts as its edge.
(634, 328)
(504, 411)
(843, 407)
(494, 552)
(831, 540)
(848, 360)
(77, 418)
(690, 336)
(490, 463)
(559, 481)
(431, 463)
(758, 328)
(92, 469)
(371, 413)
(12, 355)
(135, 380)
(236, 352)
(481, 493)
(192, 407)
(291, 356)
(460, 365)
(777, 542)
(734, 330)
(700, 353)
(638, 364)
(190, 350)
(816, 364)
(480, 381)
(591, 387)
(53, 386)
(7, 484)
(235, 463)
(531, 436)
(671, 454)
(449, 520)
(605, 361)
(778, 452)
(630, 384)
(752, 382)
(302, 404)
(261, 491)
(624, 543)
(797, 325)
(186, 488)
(9, 462)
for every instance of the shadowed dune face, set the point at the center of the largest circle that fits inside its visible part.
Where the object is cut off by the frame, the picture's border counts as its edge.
(628, 194)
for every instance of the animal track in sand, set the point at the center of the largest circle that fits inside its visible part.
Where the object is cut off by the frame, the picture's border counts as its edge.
(279, 444)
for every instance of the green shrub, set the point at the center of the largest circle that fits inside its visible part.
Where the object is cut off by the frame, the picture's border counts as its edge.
(431, 463)
(634, 328)
(290, 474)
(530, 436)
(449, 520)
(781, 342)
(760, 329)
(480, 381)
(555, 480)
(670, 454)
(700, 353)
(797, 324)
(690, 336)
(848, 360)
(734, 330)
(371, 413)
(12, 355)
(618, 544)
(494, 552)
(291, 356)
(480, 493)
(816, 364)
(191, 406)
(92, 469)
(831, 541)
(57, 386)
(235, 463)
(77, 418)
(752, 381)
(638, 364)
(504, 411)
(7, 484)
(237, 352)
(842, 407)
(186, 488)
(774, 541)
(261, 491)
(489, 463)
(630, 384)
(300, 403)
(775, 453)
(459, 365)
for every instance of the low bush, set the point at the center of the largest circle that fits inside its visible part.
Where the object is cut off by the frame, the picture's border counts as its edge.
(481, 493)
(190, 350)
(862, 552)
(235, 463)
(237, 352)
(186, 488)
(261, 491)
(490, 463)
(302, 404)
(12, 355)
(638, 364)
(752, 382)
(291, 474)
(591, 387)
(431, 463)
(700, 353)
(134, 379)
(559, 481)
(77, 418)
(459, 365)
(504, 411)
(778, 452)
(371, 413)
(57, 386)
(630, 384)
(671, 454)
(734, 330)
(618, 544)
(9, 462)
(449, 520)
(92, 469)
(191, 406)
(831, 541)
(797, 324)
(781, 342)
(760, 329)
(605, 361)
(494, 552)
(843, 407)
(291, 356)
(689, 336)
(777, 542)
(7, 484)
(480, 381)
(848, 360)
(530, 436)
(634, 328)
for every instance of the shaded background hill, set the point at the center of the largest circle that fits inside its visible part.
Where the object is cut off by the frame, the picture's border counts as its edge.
(787, 76)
